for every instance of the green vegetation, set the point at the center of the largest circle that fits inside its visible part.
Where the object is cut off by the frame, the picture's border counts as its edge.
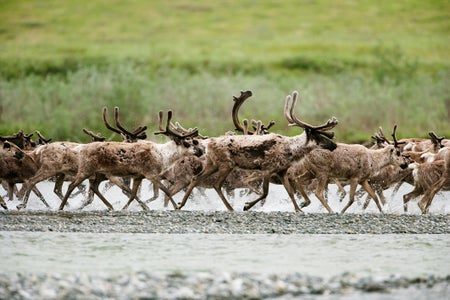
(369, 63)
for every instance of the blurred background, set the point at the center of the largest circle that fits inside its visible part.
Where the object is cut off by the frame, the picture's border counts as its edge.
(368, 63)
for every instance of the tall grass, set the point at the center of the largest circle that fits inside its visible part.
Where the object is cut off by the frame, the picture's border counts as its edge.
(369, 63)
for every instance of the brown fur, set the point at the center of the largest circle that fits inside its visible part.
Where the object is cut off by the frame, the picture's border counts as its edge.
(386, 178)
(180, 174)
(429, 178)
(270, 154)
(50, 160)
(16, 166)
(23, 142)
(419, 144)
(138, 160)
(353, 162)
(20, 139)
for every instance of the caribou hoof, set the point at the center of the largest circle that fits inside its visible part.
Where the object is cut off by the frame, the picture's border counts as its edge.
(5, 207)
(304, 204)
(422, 208)
(20, 206)
(246, 207)
(150, 200)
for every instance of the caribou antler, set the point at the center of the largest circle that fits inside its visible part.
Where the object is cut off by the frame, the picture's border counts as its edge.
(245, 127)
(234, 114)
(294, 121)
(107, 124)
(382, 136)
(173, 134)
(42, 140)
(183, 130)
(137, 134)
(260, 128)
(12, 137)
(394, 137)
(437, 141)
(378, 139)
(20, 139)
(266, 128)
(94, 137)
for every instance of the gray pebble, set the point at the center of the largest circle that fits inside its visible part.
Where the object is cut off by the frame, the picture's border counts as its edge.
(204, 285)
(250, 222)
(207, 285)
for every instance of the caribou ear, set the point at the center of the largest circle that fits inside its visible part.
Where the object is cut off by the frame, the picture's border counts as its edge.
(328, 134)
(327, 143)
(322, 140)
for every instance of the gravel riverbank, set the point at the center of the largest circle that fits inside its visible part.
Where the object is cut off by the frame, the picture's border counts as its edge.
(204, 285)
(211, 285)
(222, 222)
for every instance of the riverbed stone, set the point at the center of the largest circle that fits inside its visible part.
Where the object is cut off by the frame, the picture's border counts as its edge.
(250, 222)
(215, 285)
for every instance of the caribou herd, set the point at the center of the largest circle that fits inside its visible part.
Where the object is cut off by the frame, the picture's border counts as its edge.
(249, 158)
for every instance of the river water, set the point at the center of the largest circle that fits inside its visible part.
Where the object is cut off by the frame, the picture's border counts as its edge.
(316, 255)
(277, 200)
(319, 255)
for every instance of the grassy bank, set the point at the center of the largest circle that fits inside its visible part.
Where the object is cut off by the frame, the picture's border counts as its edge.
(60, 108)
(368, 63)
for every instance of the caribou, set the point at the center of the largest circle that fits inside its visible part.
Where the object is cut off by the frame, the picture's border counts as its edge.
(269, 154)
(251, 157)
(143, 159)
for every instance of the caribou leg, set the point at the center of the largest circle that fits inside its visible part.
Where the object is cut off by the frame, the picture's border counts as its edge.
(250, 204)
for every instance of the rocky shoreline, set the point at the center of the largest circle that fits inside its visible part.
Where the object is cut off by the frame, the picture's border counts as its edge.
(217, 222)
(209, 285)
(204, 285)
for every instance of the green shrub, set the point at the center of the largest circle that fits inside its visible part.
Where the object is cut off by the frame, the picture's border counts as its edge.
(60, 106)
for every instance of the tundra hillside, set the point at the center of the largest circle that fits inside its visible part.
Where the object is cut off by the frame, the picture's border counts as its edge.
(368, 63)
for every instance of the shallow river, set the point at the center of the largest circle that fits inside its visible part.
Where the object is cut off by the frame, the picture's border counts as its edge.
(320, 255)
(277, 200)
